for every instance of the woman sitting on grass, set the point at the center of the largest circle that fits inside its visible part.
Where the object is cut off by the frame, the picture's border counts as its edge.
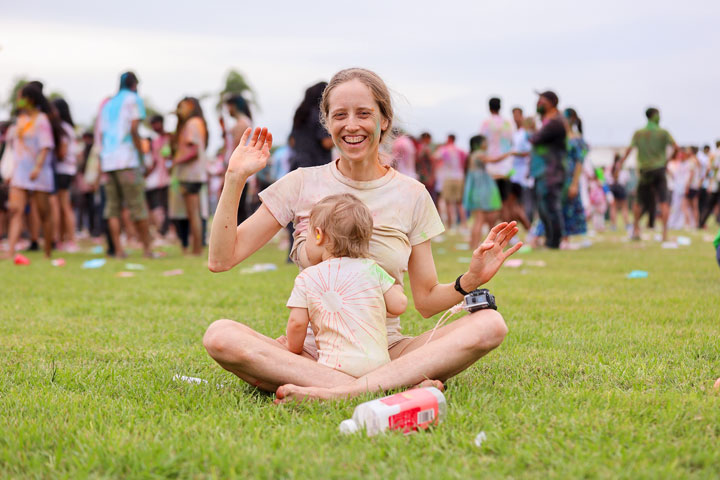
(357, 111)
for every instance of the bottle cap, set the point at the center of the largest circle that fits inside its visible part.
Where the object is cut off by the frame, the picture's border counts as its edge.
(348, 426)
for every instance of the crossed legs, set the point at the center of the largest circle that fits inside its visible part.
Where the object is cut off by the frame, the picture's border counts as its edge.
(266, 364)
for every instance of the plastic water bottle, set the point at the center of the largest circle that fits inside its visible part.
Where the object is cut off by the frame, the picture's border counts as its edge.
(406, 411)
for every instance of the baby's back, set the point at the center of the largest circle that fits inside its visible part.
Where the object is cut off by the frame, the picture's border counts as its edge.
(347, 313)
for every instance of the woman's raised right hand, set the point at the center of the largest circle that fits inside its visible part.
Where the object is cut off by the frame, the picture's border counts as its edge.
(251, 157)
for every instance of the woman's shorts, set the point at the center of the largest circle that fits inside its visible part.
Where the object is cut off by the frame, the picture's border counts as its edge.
(504, 186)
(157, 198)
(651, 187)
(452, 190)
(619, 192)
(692, 193)
(190, 188)
(62, 181)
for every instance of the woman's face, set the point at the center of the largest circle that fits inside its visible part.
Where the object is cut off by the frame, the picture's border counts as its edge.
(184, 110)
(355, 121)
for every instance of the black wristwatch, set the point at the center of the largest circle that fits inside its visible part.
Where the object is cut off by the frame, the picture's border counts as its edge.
(458, 288)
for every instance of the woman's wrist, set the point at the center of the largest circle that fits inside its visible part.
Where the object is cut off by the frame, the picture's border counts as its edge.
(468, 282)
(236, 178)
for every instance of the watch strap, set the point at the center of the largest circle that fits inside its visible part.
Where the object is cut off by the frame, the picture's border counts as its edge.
(458, 287)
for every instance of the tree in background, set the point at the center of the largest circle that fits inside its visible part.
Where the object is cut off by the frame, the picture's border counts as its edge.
(235, 84)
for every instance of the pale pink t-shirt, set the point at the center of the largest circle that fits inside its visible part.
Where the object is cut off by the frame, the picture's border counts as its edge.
(403, 214)
(344, 298)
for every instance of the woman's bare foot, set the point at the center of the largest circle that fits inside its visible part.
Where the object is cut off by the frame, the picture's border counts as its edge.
(431, 383)
(293, 393)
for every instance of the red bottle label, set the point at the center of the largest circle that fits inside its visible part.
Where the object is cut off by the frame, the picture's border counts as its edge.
(418, 409)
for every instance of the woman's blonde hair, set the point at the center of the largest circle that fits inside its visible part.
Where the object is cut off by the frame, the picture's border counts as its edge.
(379, 90)
(347, 222)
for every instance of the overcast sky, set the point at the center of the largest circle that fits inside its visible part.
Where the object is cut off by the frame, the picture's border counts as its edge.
(442, 60)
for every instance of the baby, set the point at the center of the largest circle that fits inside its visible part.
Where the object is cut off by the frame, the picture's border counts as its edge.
(344, 296)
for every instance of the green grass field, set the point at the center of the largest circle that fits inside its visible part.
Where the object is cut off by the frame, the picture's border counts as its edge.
(600, 376)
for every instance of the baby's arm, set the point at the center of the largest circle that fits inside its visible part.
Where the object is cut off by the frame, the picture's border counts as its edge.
(297, 329)
(395, 300)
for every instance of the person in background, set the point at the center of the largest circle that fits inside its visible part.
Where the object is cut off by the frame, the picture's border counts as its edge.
(449, 178)
(519, 204)
(703, 157)
(499, 134)
(712, 204)
(696, 183)
(65, 171)
(34, 139)
(651, 143)
(311, 142)
(88, 215)
(547, 166)
(481, 197)
(190, 163)
(573, 212)
(618, 179)
(425, 165)
(4, 182)
(157, 175)
(239, 111)
(404, 154)
(120, 160)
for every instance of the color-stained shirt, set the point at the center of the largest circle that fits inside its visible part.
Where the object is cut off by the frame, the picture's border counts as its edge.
(651, 143)
(68, 164)
(193, 133)
(450, 164)
(118, 150)
(345, 303)
(403, 213)
(404, 155)
(547, 158)
(29, 137)
(498, 133)
(159, 176)
(521, 164)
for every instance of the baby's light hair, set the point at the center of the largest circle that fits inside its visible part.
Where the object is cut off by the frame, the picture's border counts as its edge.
(347, 222)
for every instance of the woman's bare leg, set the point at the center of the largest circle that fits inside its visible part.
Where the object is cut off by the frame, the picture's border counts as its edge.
(262, 361)
(42, 201)
(68, 216)
(192, 207)
(453, 348)
(476, 232)
(17, 200)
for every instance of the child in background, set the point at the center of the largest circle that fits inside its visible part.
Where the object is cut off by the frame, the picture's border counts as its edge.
(344, 296)
(598, 203)
(481, 197)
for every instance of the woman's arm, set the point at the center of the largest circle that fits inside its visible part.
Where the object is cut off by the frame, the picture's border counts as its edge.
(297, 329)
(187, 153)
(230, 243)
(502, 157)
(573, 189)
(39, 162)
(431, 296)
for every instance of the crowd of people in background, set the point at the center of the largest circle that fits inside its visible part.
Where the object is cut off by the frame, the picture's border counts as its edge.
(130, 182)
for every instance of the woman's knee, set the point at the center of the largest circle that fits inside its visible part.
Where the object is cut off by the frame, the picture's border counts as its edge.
(218, 338)
(489, 329)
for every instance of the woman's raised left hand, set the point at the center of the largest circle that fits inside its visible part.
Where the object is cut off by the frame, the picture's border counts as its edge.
(490, 254)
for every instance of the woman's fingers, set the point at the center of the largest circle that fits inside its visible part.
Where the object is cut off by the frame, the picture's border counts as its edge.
(495, 231)
(254, 138)
(269, 141)
(513, 249)
(261, 139)
(245, 135)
